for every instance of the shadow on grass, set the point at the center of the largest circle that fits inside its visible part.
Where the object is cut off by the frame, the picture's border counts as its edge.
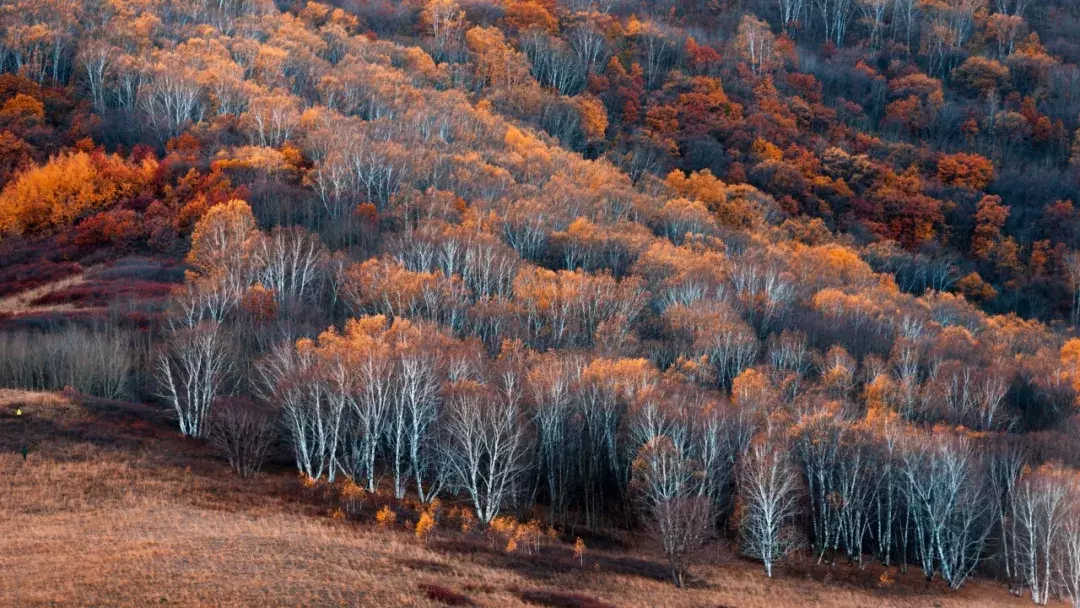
(109, 425)
(143, 437)
(429, 566)
(445, 595)
(561, 599)
(549, 562)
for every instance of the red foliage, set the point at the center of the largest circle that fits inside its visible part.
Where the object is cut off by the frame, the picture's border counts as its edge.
(21, 277)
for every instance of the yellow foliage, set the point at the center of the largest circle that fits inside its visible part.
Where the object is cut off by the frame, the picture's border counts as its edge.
(765, 150)
(974, 288)
(220, 233)
(1070, 362)
(385, 517)
(579, 550)
(257, 159)
(518, 534)
(425, 525)
(752, 389)
(699, 185)
(833, 265)
(525, 14)
(466, 517)
(497, 62)
(351, 491)
(23, 109)
(1070, 355)
(877, 392)
(594, 117)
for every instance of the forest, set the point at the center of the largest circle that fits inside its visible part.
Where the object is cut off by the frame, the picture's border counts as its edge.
(798, 276)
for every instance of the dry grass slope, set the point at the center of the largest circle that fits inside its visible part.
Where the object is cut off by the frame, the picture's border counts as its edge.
(113, 508)
(23, 302)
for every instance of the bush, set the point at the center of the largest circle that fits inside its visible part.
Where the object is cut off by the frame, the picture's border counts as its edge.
(243, 434)
(386, 517)
(118, 228)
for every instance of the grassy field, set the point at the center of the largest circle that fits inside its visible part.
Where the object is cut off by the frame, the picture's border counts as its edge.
(113, 508)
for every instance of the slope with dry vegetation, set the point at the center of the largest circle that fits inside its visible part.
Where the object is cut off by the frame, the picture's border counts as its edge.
(788, 286)
(113, 507)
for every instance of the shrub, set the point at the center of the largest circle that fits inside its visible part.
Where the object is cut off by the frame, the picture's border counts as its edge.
(119, 228)
(579, 550)
(243, 434)
(386, 517)
(352, 496)
(425, 525)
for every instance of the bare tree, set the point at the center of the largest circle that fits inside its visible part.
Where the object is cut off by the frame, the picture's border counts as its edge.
(290, 261)
(589, 43)
(420, 401)
(193, 368)
(666, 482)
(873, 12)
(360, 380)
(550, 384)
(1072, 268)
(835, 16)
(271, 119)
(1069, 555)
(757, 44)
(948, 503)
(95, 362)
(1005, 462)
(97, 58)
(791, 13)
(1041, 507)
(485, 444)
(171, 96)
(768, 502)
(1011, 7)
(414, 405)
(718, 435)
(288, 379)
(243, 435)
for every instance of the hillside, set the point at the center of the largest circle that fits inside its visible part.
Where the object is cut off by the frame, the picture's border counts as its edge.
(743, 301)
(112, 507)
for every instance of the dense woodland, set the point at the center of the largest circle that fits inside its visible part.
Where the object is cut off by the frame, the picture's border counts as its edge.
(799, 274)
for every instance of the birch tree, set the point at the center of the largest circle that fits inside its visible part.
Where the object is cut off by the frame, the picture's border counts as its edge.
(289, 379)
(486, 444)
(768, 502)
(666, 481)
(193, 369)
(1041, 508)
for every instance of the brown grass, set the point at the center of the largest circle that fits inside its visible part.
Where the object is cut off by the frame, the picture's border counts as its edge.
(114, 508)
(26, 302)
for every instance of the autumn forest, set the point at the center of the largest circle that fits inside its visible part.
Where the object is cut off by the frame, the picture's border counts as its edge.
(798, 280)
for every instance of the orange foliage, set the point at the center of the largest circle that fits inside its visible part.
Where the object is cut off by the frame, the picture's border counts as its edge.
(990, 218)
(525, 14)
(974, 288)
(69, 187)
(965, 170)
